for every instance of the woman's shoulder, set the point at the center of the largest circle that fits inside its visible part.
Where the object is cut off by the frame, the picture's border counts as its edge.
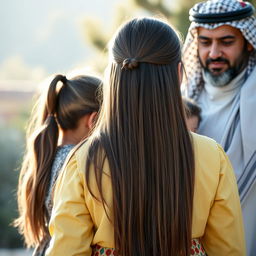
(78, 155)
(202, 143)
(209, 155)
(81, 149)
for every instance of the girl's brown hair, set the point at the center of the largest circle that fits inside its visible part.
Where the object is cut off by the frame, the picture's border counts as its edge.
(143, 133)
(191, 108)
(61, 106)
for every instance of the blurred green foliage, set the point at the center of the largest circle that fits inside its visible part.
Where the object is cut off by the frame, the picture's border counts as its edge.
(98, 33)
(11, 145)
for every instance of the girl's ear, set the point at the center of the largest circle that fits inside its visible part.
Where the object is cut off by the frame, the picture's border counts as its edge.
(180, 72)
(91, 120)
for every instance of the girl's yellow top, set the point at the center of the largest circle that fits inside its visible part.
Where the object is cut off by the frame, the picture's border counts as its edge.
(79, 221)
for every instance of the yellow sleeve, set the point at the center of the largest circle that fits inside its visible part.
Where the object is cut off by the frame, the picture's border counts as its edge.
(70, 226)
(224, 234)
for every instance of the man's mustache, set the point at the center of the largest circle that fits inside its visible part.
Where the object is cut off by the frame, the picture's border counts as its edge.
(220, 59)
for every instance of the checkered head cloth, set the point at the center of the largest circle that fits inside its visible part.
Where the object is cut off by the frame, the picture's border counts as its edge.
(192, 65)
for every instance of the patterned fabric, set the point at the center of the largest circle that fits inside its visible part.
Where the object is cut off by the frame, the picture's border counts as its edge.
(98, 251)
(58, 162)
(196, 250)
(247, 26)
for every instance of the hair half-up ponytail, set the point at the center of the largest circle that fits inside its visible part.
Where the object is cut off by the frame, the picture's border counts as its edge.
(143, 134)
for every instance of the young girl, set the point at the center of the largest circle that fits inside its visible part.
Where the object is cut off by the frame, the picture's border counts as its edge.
(68, 111)
(142, 184)
(192, 113)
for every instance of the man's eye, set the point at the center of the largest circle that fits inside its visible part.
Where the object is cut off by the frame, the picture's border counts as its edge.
(205, 42)
(227, 42)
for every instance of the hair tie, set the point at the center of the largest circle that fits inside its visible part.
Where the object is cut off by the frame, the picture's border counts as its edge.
(63, 79)
(49, 118)
(130, 63)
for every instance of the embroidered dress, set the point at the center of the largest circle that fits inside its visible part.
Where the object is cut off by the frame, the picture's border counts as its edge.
(58, 162)
(196, 250)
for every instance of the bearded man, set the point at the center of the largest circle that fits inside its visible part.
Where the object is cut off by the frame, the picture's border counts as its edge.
(220, 62)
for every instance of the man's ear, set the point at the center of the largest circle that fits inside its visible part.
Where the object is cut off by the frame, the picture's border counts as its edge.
(180, 72)
(249, 47)
(91, 120)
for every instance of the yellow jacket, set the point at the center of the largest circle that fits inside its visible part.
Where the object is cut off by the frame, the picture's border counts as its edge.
(79, 220)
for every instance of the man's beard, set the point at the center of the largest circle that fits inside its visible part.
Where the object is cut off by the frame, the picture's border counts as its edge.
(222, 79)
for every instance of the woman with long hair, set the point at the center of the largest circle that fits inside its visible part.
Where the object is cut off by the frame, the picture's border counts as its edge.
(63, 116)
(143, 184)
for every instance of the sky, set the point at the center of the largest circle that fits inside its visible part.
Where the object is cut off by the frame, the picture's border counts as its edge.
(44, 37)
(40, 38)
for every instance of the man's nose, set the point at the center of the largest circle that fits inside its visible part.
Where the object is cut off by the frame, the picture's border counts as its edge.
(215, 51)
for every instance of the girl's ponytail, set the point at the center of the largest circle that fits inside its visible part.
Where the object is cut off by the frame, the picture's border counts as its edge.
(59, 108)
(42, 141)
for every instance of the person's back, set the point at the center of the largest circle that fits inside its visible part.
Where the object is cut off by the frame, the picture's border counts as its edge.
(220, 61)
(216, 222)
(142, 184)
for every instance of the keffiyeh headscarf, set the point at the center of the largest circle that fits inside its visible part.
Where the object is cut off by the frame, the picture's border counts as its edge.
(209, 9)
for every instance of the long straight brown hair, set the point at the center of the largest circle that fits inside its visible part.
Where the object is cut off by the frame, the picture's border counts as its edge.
(57, 107)
(142, 133)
